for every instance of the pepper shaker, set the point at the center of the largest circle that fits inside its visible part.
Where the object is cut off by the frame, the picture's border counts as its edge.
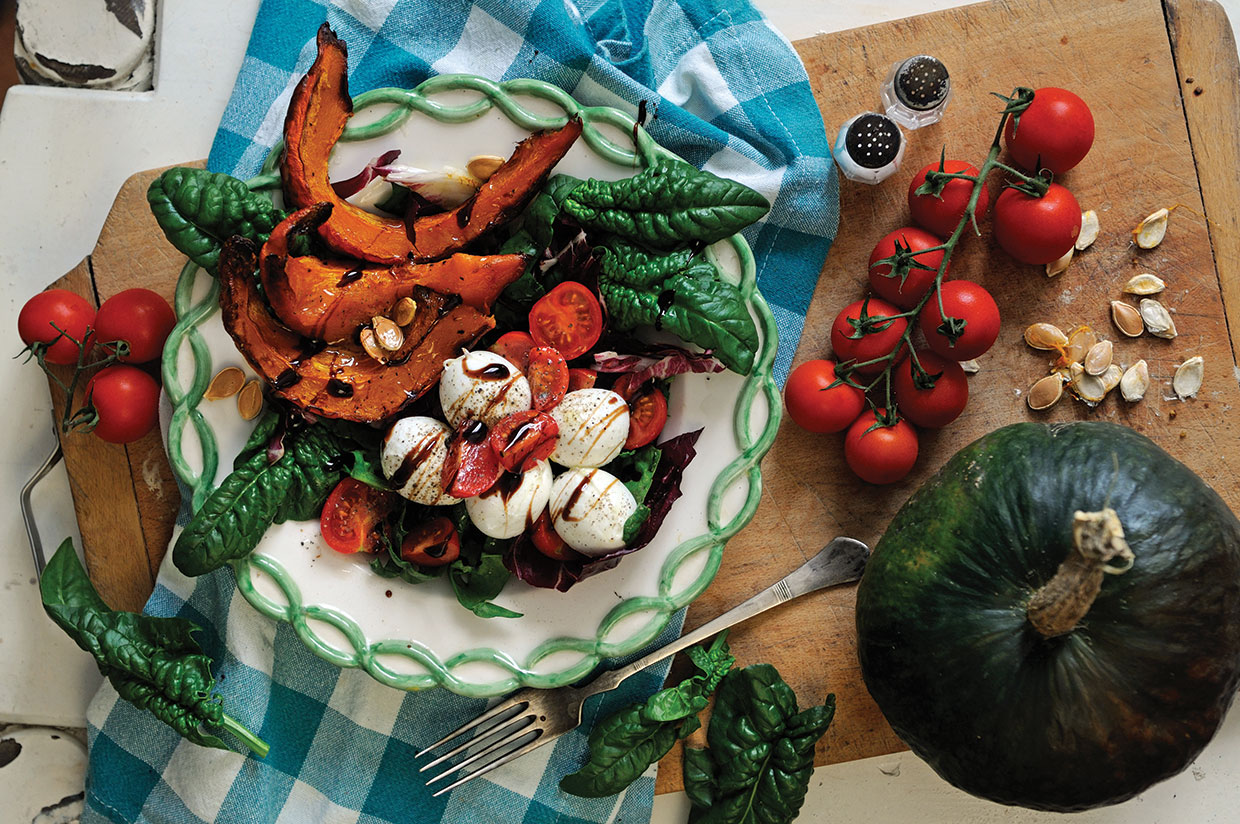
(869, 148)
(916, 91)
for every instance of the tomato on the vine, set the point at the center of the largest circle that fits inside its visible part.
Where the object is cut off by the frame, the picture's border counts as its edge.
(647, 414)
(1054, 133)
(942, 214)
(815, 405)
(353, 517)
(54, 309)
(1037, 230)
(916, 282)
(936, 406)
(568, 318)
(964, 301)
(875, 343)
(127, 402)
(431, 543)
(883, 454)
(139, 317)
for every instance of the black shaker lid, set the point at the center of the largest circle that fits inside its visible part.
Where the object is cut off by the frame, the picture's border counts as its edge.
(873, 140)
(921, 82)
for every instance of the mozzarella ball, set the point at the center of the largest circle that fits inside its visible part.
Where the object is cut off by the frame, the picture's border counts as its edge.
(481, 385)
(414, 450)
(513, 504)
(589, 508)
(594, 423)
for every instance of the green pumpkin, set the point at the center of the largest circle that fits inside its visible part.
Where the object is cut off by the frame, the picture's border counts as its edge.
(1078, 714)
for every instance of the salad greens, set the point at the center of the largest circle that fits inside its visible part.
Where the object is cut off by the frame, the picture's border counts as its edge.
(153, 663)
(761, 754)
(199, 210)
(625, 743)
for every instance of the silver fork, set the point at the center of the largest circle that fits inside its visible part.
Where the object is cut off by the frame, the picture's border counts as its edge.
(531, 717)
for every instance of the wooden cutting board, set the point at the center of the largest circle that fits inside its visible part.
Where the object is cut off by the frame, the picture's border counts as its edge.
(1162, 83)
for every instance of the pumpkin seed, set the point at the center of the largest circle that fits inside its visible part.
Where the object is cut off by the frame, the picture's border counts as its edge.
(1045, 393)
(1151, 231)
(1046, 336)
(1098, 358)
(483, 166)
(970, 367)
(1144, 284)
(1080, 340)
(250, 400)
(371, 345)
(1089, 230)
(1111, 378)
(1058, 267)
(404, 310)
(1157, 319)
(387, 333)
(226, 383)
(1089, 388)
(1188, 377)
(1127, 319)
(1134, 382)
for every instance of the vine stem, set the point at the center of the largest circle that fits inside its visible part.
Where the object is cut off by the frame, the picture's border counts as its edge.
(948, 247)
(257, 745)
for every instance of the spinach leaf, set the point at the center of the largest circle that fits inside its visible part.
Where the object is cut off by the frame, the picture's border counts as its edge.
(761, 752)
(153, 663)
(476, 585)
(666, 205)
(636, 470)
(625, 743)
(258, 493)
(633, 266)
(199, 210)
(546, 206)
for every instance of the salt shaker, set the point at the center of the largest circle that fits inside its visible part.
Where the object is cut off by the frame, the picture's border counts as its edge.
(869, 148)
(916, 91)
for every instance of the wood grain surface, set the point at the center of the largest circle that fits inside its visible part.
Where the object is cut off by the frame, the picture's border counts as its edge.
(1163, 88)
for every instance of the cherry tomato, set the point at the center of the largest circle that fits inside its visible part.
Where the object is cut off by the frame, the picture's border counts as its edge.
(1054, 133)
(352, 519)
(969, 302)
(127, 400)
(471, 466)
(917, 281)
(431, 543)
(1037, 230)
(581, 379)
(547, 541)
(547, 374)
(935, 407)
(942, 214)
(817, 406)
(524, 438)
(882, 455)
(568, 318)
(647, 414)
(69, 312)
(141, 318)
(873, 344)
(515, 347)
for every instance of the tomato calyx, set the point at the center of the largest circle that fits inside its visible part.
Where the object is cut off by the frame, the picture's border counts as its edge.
(904, 260)
(884, 417)
(952, 329)
(1036, 186)
(921, 378)
(867, 324)
(1016, 103)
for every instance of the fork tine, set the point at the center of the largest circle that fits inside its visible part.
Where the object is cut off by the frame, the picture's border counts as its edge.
(491, 749)
(505, 727)
(538, 741)
(517, 698)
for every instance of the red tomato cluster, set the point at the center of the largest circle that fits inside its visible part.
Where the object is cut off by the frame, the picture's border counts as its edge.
(125, 397)
(871, 336)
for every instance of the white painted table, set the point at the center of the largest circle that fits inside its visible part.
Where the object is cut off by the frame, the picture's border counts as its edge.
(64, 154)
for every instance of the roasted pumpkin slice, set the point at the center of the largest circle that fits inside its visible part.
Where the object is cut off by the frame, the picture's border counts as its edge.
(340, 380)
(329, 299)
(318, 111)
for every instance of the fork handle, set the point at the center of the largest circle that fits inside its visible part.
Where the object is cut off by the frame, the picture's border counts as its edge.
(839, 562)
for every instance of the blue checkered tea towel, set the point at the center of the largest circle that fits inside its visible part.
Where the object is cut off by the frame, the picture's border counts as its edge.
(732, 97)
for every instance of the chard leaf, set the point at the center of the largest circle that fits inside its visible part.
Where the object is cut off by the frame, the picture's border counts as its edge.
(761, 751)
(666, 205)
(199, 210)
(153, 663)
(258, 493)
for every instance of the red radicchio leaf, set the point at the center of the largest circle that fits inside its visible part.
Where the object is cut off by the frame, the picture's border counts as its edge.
(350, 187)
(654, 364)
(524, 560)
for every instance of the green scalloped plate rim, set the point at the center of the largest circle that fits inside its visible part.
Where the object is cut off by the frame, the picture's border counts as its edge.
(760, 384)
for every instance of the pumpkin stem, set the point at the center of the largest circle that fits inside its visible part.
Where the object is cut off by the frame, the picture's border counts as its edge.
(1062, 602)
